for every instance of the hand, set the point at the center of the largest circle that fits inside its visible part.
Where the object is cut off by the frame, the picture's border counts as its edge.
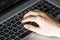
(47, 25)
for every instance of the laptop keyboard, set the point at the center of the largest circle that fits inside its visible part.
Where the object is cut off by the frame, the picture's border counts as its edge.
(12, 29)
(47, 7)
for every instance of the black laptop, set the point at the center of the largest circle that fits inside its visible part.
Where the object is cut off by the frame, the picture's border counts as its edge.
(12, 12)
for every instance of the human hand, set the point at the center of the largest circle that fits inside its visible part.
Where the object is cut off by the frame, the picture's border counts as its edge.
(47, 25)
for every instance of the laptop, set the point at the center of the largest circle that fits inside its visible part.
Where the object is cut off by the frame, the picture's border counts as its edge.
(12, 12)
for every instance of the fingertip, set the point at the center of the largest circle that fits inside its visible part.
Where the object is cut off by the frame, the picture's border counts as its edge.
(32, 28)
(26, 26)
(22, 21)
(27, 14)
(24, 17)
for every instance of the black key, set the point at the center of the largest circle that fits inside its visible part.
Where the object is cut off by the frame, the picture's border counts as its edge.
(15, 30)
(1, 29)
(12, 21)
(17, 18)
(8, 23)
(1, 33)
(17, 34)
(4, 26)
(19, 27)
(13, 36)
(0, 25)
(58, 13)
(18, 22)
(53, 6)
(16, 39)
(47, 10)
(45, 6)
(6, 35)
(2, 38)
(11, 32)
(14, 25)
(21, 31)
(6, 30)
(10, 28)
(20, 15)
(8, 39)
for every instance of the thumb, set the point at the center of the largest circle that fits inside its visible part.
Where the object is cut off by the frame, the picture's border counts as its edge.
(31, 28)
(37, 30)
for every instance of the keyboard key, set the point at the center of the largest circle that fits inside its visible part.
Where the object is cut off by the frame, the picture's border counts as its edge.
(2, 38)
(6, 30)
(17, 33)
(14, 25)
(6, 35)
(24, 29)
(12, 21)
(10, 28)
(18, 22)
(11, 32)
(15, 30)
(4, 26)
(0, 25)
(16, 18)
(8, 39)
(19, 27)
(1, 33)
(16, 39)
(8, 23)
(1, 29)
(21, 31)
(13, 36)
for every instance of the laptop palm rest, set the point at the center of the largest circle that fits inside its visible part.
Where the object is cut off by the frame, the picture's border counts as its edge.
(35, 36)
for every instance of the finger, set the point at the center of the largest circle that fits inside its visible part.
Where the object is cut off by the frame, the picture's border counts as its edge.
(31, 13)
(36, 19)
(40, 12)
(32, 19)
(31, 28)
(43, 14)
(37, 30)
(37, 10)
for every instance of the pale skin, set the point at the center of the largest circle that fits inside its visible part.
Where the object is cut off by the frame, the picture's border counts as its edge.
(47, 25)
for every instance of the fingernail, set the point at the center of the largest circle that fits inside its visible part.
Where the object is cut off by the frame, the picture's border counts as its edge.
(26, 26)
(22, 21)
